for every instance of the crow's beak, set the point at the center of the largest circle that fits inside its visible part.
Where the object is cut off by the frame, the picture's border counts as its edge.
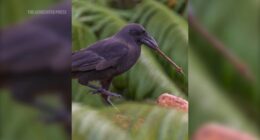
(151, 43)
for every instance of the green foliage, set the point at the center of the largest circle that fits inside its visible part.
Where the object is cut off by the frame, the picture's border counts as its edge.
(79, 33)
(103, 21)
(212, 101)
(22, 122)
(87, 123)
(13, 11)
(239, 36)
(217, 89)
(177, 5)
(133, 121)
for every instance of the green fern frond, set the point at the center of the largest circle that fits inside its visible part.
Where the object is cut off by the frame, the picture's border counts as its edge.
(103, 21)
(81, 35)
(132, 121)
(213, 102)
(89, 124)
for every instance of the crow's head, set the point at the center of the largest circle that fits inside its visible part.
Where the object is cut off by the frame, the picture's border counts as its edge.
(138, 33)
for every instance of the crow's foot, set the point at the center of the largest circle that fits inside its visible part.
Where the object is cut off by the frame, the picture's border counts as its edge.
(108, 93)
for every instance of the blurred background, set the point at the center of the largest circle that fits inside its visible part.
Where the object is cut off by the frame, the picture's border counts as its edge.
(136, 116)
(34, 59)
(224, 64)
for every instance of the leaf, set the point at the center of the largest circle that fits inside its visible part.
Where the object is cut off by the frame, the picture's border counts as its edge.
(175, 5)
(14, 116)
(134, 121)
(237, 28)
(87, 123)
(102, 20)
(210, 103)
(81, 35)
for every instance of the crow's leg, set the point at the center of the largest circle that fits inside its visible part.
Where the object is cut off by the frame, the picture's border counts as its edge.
(104, 91)
(105, 85)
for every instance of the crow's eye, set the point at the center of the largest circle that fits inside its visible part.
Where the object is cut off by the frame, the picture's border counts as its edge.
(135, 32)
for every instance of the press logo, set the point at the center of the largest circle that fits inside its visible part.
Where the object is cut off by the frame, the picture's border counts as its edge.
(46, 12)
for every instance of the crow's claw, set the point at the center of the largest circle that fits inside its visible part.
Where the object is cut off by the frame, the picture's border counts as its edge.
(108, 93)
(111, 94)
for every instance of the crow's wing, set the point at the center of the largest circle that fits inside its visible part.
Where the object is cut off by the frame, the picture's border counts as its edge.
(26, 48)
(99, 56)
(85, 60)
